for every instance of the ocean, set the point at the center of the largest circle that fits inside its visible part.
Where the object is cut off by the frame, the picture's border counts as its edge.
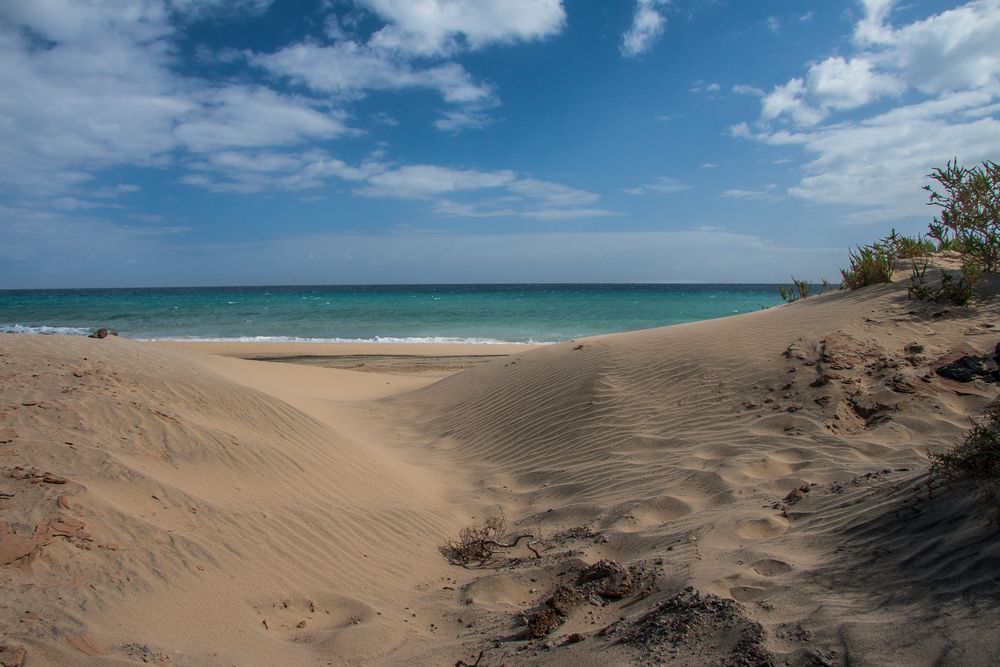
(375, 313)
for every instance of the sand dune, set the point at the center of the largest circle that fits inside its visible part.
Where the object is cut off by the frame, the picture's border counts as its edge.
(173, 506)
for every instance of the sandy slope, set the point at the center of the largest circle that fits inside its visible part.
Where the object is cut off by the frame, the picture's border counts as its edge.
(211, 505)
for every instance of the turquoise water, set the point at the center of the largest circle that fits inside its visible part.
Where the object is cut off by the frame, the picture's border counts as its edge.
(408, 313)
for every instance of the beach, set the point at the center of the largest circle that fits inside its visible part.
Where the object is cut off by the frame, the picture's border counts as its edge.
(748, 490)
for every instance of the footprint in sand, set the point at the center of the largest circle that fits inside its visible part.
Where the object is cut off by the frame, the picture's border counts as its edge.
(761, 529)
(770, 567)
(652, 512)
(747, 593)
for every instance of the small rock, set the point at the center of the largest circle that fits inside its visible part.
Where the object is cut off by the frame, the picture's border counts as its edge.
(968, 368)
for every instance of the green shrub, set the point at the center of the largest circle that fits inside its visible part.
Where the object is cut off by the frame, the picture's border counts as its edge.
(958, 293)
(978, 457)
(970, 212)
(870, 265)
(900, 246)
(799, 289)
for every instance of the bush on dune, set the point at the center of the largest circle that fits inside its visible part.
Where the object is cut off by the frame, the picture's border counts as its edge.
(956, 292)
(799, 289)
(978, 457)
(870, 265)
(970, 212)
(976, 460)
(969, 223)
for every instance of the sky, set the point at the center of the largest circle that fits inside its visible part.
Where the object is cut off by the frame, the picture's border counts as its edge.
(243, 142)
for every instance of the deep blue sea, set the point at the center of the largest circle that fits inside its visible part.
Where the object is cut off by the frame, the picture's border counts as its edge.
(403, 313)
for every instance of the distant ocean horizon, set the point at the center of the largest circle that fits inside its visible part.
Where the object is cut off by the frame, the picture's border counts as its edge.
(499, 313)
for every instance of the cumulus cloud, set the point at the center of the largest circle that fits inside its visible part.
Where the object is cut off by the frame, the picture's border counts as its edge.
(91, 86)
(252, 116)
(837, 83)
(946, 70)
(872, 27)
(442, 27)
(947, 52)
(789, 100)
(833, 84)
(648, 23)
(414, 49)
(348, 70)
(102, 92)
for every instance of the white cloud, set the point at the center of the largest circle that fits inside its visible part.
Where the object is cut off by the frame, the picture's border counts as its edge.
(407, 52)
(947, 69)
(251, 116)
(705, 87)
(770, 193)
(883, 162)
(837, 83)
(90, 86)
(568, 213)
(743, 89)
(456, 120)
(113, 192)
(662, 185)
(99, 94)
(833, 84)
(552, 194)
(73, 204)
(421, 181)
(789, 99)
(872, 28)
(213, 9)
(349, 69)
(647, 25)
(256, 171)
(103, 93)
(490, 208)
(954, 50)
(442, 27)
(519, 197)
(947, 52)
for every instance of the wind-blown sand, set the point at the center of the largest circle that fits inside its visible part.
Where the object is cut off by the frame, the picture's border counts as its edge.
(172, 506)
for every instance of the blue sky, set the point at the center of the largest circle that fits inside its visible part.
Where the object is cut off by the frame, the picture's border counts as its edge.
(178, 142)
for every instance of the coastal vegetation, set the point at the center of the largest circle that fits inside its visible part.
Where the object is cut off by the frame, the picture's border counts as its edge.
(970, 212)
(977, 458)
(948, 290)
(969, 224)
(799, 289)
(869, 265)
